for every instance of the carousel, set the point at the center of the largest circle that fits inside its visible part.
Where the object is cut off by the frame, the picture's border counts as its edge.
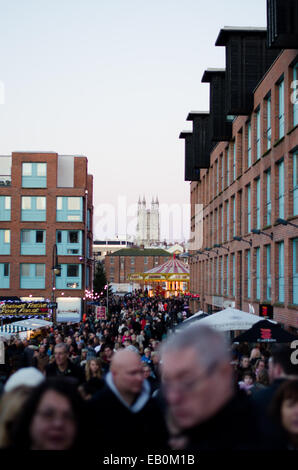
(168, 279)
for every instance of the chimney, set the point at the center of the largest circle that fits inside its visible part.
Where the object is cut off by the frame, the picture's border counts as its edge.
(201, 137)
(247, 60)
(191, 172)
(282, 24)
(220, 127)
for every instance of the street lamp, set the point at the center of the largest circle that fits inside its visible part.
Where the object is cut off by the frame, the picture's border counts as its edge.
(257, 231)
(56, 269)
(240, 239)
(284, 222)
(217, 245)
(210, 249)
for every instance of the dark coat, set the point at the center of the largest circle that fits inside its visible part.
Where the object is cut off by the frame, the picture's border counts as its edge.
(115, 428)
(72, 371)
(235, 427)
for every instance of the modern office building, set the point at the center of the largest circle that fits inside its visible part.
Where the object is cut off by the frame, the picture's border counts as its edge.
(46, 212)
(241, 159)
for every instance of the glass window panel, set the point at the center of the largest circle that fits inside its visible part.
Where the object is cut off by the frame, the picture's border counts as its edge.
(27, 169)
(40, 203)
(7, 202)
(41, 169)
(59, 203)
(72, 270)
(74, 203)
(6, 236)
(39, 270)
(6, 269)
(26, 202)
(59, 236)
(25, 234)
(39, 236)
(25, 270)
(73, 237)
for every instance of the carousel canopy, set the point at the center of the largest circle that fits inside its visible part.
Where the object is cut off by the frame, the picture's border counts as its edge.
(173, 270)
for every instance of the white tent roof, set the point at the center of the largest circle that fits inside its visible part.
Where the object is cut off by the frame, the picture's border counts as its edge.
(230, 319)
(21, 327)
(194, 316)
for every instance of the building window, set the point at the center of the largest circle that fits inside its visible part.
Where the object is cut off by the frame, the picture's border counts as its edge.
(295, 183)
(39, 236)
(233, 275)
(248, 274)
(221, 223)
(39, 270)
(112, 259)
(222, 172)
(6, 270)
(34, 175)
(295, 271)
(258, 125)
(41, 169)
(27, 169)
(227, 275)
(132, 269)
(248, 209)
(25, 270)
(59, 203)
(59, 236)
(6, 236)
(221, 276)
(258, 289)
(228, 221)
(146, 260)
(228, 166)
(281, 272)
(72, 270)
(73, 237)
(25, 236)
(155, 259)
(26, 203)
(248, 144)
(234, 216)
(268, 197)
(281, 190)
(295, 95)
(132, 260)
(73, 203)
(268, 122)
(33, 208)
(40, 203)
(268, 272)
(234, 160)
(281, 108)
(258, 201)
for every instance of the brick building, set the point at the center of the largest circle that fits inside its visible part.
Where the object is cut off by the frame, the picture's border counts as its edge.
(242, 161)
(46, 201)
(121, 263)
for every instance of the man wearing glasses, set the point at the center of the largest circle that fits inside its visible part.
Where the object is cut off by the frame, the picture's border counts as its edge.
(203, 400)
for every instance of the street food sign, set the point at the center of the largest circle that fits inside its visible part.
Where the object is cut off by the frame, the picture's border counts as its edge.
(24, 308)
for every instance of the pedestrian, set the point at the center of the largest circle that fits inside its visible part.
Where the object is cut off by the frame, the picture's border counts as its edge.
(63, 367)
(126, 400)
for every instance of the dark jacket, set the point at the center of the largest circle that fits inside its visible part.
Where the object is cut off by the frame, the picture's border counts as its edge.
(235, 427)
(72, 371)
(116, 427)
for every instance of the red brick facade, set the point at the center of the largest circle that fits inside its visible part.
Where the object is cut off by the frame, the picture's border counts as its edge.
(214, 193)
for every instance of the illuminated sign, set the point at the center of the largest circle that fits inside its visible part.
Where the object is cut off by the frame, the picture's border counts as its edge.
(24, 308)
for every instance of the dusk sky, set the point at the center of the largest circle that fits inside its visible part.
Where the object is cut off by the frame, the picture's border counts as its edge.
(112, 80)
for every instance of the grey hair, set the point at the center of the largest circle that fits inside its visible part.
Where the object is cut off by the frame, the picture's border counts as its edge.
(210, 345)
(62, 345)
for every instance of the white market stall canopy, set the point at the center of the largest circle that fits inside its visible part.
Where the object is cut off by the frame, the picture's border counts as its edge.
(230, 319)
(21, 327)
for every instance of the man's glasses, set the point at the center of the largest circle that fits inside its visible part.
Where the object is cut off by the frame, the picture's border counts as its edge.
(189, 385)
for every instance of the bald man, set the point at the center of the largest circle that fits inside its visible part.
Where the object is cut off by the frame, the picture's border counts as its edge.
(123, 415)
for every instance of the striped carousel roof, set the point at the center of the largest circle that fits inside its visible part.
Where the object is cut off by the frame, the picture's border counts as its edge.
(174, 266)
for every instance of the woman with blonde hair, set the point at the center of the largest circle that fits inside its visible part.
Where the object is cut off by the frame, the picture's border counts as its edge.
(10, 406)
(94, 381)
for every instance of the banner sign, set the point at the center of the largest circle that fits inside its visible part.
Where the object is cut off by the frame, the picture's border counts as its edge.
(101, 313)
(24, 308)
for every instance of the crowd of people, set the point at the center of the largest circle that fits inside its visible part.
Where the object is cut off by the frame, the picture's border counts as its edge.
(133, 382)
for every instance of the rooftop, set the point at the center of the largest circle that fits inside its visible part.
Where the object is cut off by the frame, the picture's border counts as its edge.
(140, 252)
(227, 31)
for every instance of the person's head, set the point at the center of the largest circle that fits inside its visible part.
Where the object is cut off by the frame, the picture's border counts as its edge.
(108, 352)
(245, 363)
(61, 354)
(262, 377)
(280, 364)
(84, 353)
(42, 349)
(147, 370)
(284, 407)
(51, 417)
(196, 374)
(93, 368)
(155, 357)
(147, 352)
(127, 372)
(260, 365)
(248, 378)
(11, 405)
